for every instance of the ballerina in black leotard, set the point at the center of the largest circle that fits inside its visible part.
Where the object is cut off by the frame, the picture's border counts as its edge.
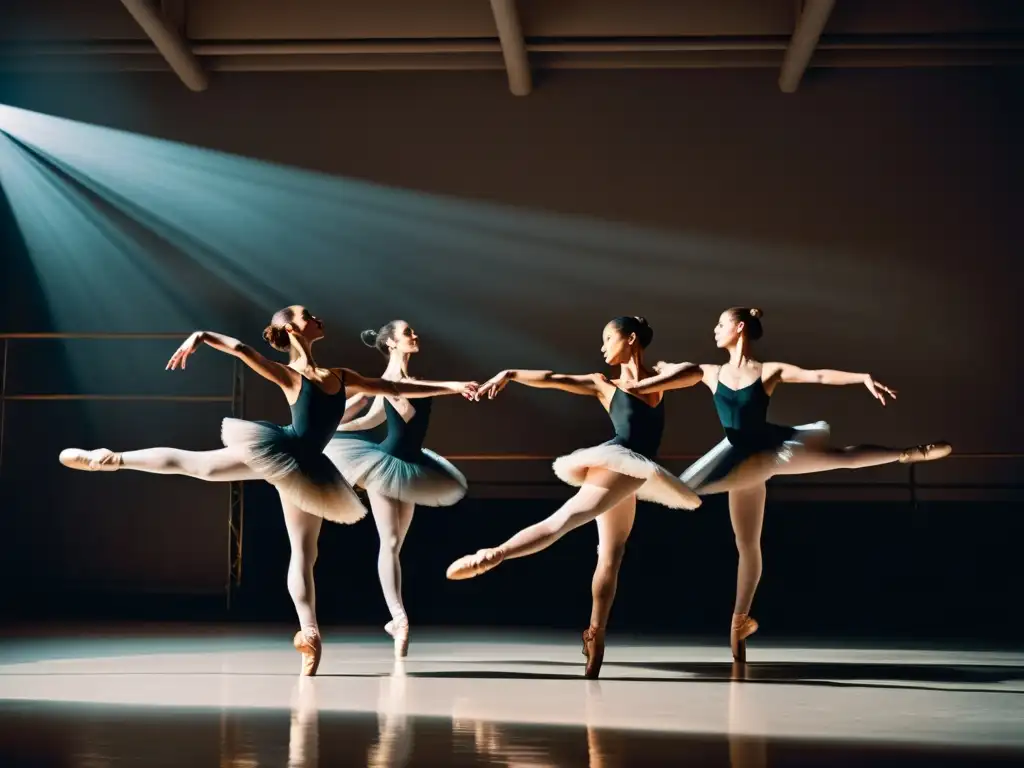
(755, 450)
(290, 458)
(397, 472)
(611, 476)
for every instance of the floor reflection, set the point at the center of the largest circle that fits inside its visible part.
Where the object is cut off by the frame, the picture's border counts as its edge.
(91, 736)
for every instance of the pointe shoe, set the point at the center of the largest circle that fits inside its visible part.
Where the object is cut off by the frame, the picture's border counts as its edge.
(593, 649)
(743, 626)
(399, 630)
(309, 644)
(99, 460)
(468, 566)
(927, 452)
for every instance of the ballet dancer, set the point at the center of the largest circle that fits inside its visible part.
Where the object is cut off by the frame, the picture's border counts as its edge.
(290, 458)
(610, 476)
(755, 450)
(397, 473)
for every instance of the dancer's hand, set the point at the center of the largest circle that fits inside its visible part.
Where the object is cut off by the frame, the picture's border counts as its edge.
(879, 390)
(467, 389)
(493, 386)
(660, 366)
(190, 345)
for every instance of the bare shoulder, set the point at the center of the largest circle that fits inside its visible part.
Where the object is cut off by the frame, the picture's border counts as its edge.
(710, 373)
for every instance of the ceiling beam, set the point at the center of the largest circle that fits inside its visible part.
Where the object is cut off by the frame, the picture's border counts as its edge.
(513, 46)
(809, 25)
(169, 42)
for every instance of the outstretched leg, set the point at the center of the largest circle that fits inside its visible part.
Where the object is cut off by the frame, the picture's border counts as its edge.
(613, 529)
(225, 465)
(303, 534)
(825, 459)
(820, 458)
(601, 491)
(393, 518)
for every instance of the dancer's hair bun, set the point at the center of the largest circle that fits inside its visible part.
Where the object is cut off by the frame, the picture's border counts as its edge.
(277, 337)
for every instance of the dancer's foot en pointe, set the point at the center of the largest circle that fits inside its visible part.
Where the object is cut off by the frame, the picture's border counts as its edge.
(743, 626)
(399, 630)
(308, 643)
(99, 460)
(927, 452)
(593, 649)
(468, 566)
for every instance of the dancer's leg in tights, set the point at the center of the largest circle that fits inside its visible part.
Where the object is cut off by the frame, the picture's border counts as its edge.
(602, 490)
(225, 465)
(613, 529)
(393, 518)
(303, 533)
(759, 468)
(746, 510)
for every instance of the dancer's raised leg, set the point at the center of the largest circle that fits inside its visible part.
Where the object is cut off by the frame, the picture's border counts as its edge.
(613, 529)
(601, 491)
(819, 458)
(224, 465)
(303, 534)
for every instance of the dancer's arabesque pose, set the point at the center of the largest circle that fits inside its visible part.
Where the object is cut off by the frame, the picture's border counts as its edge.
(291, 458)
(755, 450)
(610, 476)
(397, 473)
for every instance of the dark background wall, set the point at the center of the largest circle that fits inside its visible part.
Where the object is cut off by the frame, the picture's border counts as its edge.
(873, 216)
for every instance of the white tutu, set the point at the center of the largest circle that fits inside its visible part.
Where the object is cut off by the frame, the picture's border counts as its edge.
(429, 480)
(662, 487)
(303, 475)
(707, 473)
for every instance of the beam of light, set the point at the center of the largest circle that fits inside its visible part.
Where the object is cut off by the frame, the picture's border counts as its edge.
(488, 287)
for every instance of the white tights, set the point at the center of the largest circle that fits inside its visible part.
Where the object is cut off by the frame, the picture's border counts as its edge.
(746, 488)
(226, 465)
(608, 497)
(393, 518)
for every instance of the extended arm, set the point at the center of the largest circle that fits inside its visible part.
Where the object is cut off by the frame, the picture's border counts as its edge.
(577, 384)
(670, 376)
(280, 374)
(791, 374)
(405, 388)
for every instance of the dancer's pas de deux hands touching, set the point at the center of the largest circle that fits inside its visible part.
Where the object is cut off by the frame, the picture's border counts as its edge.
(493, 386)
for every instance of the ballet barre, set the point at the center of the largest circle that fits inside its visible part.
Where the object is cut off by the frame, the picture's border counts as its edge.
(236, 495)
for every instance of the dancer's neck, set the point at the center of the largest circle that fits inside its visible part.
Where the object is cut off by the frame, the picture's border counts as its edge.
(740, 354)
(398, 367)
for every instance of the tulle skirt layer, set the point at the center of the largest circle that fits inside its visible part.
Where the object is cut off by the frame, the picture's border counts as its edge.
(305, 477)
(661, 486)
(707, 473)
(428, 479)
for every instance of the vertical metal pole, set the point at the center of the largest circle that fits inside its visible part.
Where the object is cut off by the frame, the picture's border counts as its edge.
(913, 486)
(236, 498)
(3, 403)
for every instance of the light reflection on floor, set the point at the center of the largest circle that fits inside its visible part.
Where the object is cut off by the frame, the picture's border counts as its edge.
(231, 699)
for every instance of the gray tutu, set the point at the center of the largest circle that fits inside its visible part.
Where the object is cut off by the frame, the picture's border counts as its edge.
(710, 473)
(428, 479)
